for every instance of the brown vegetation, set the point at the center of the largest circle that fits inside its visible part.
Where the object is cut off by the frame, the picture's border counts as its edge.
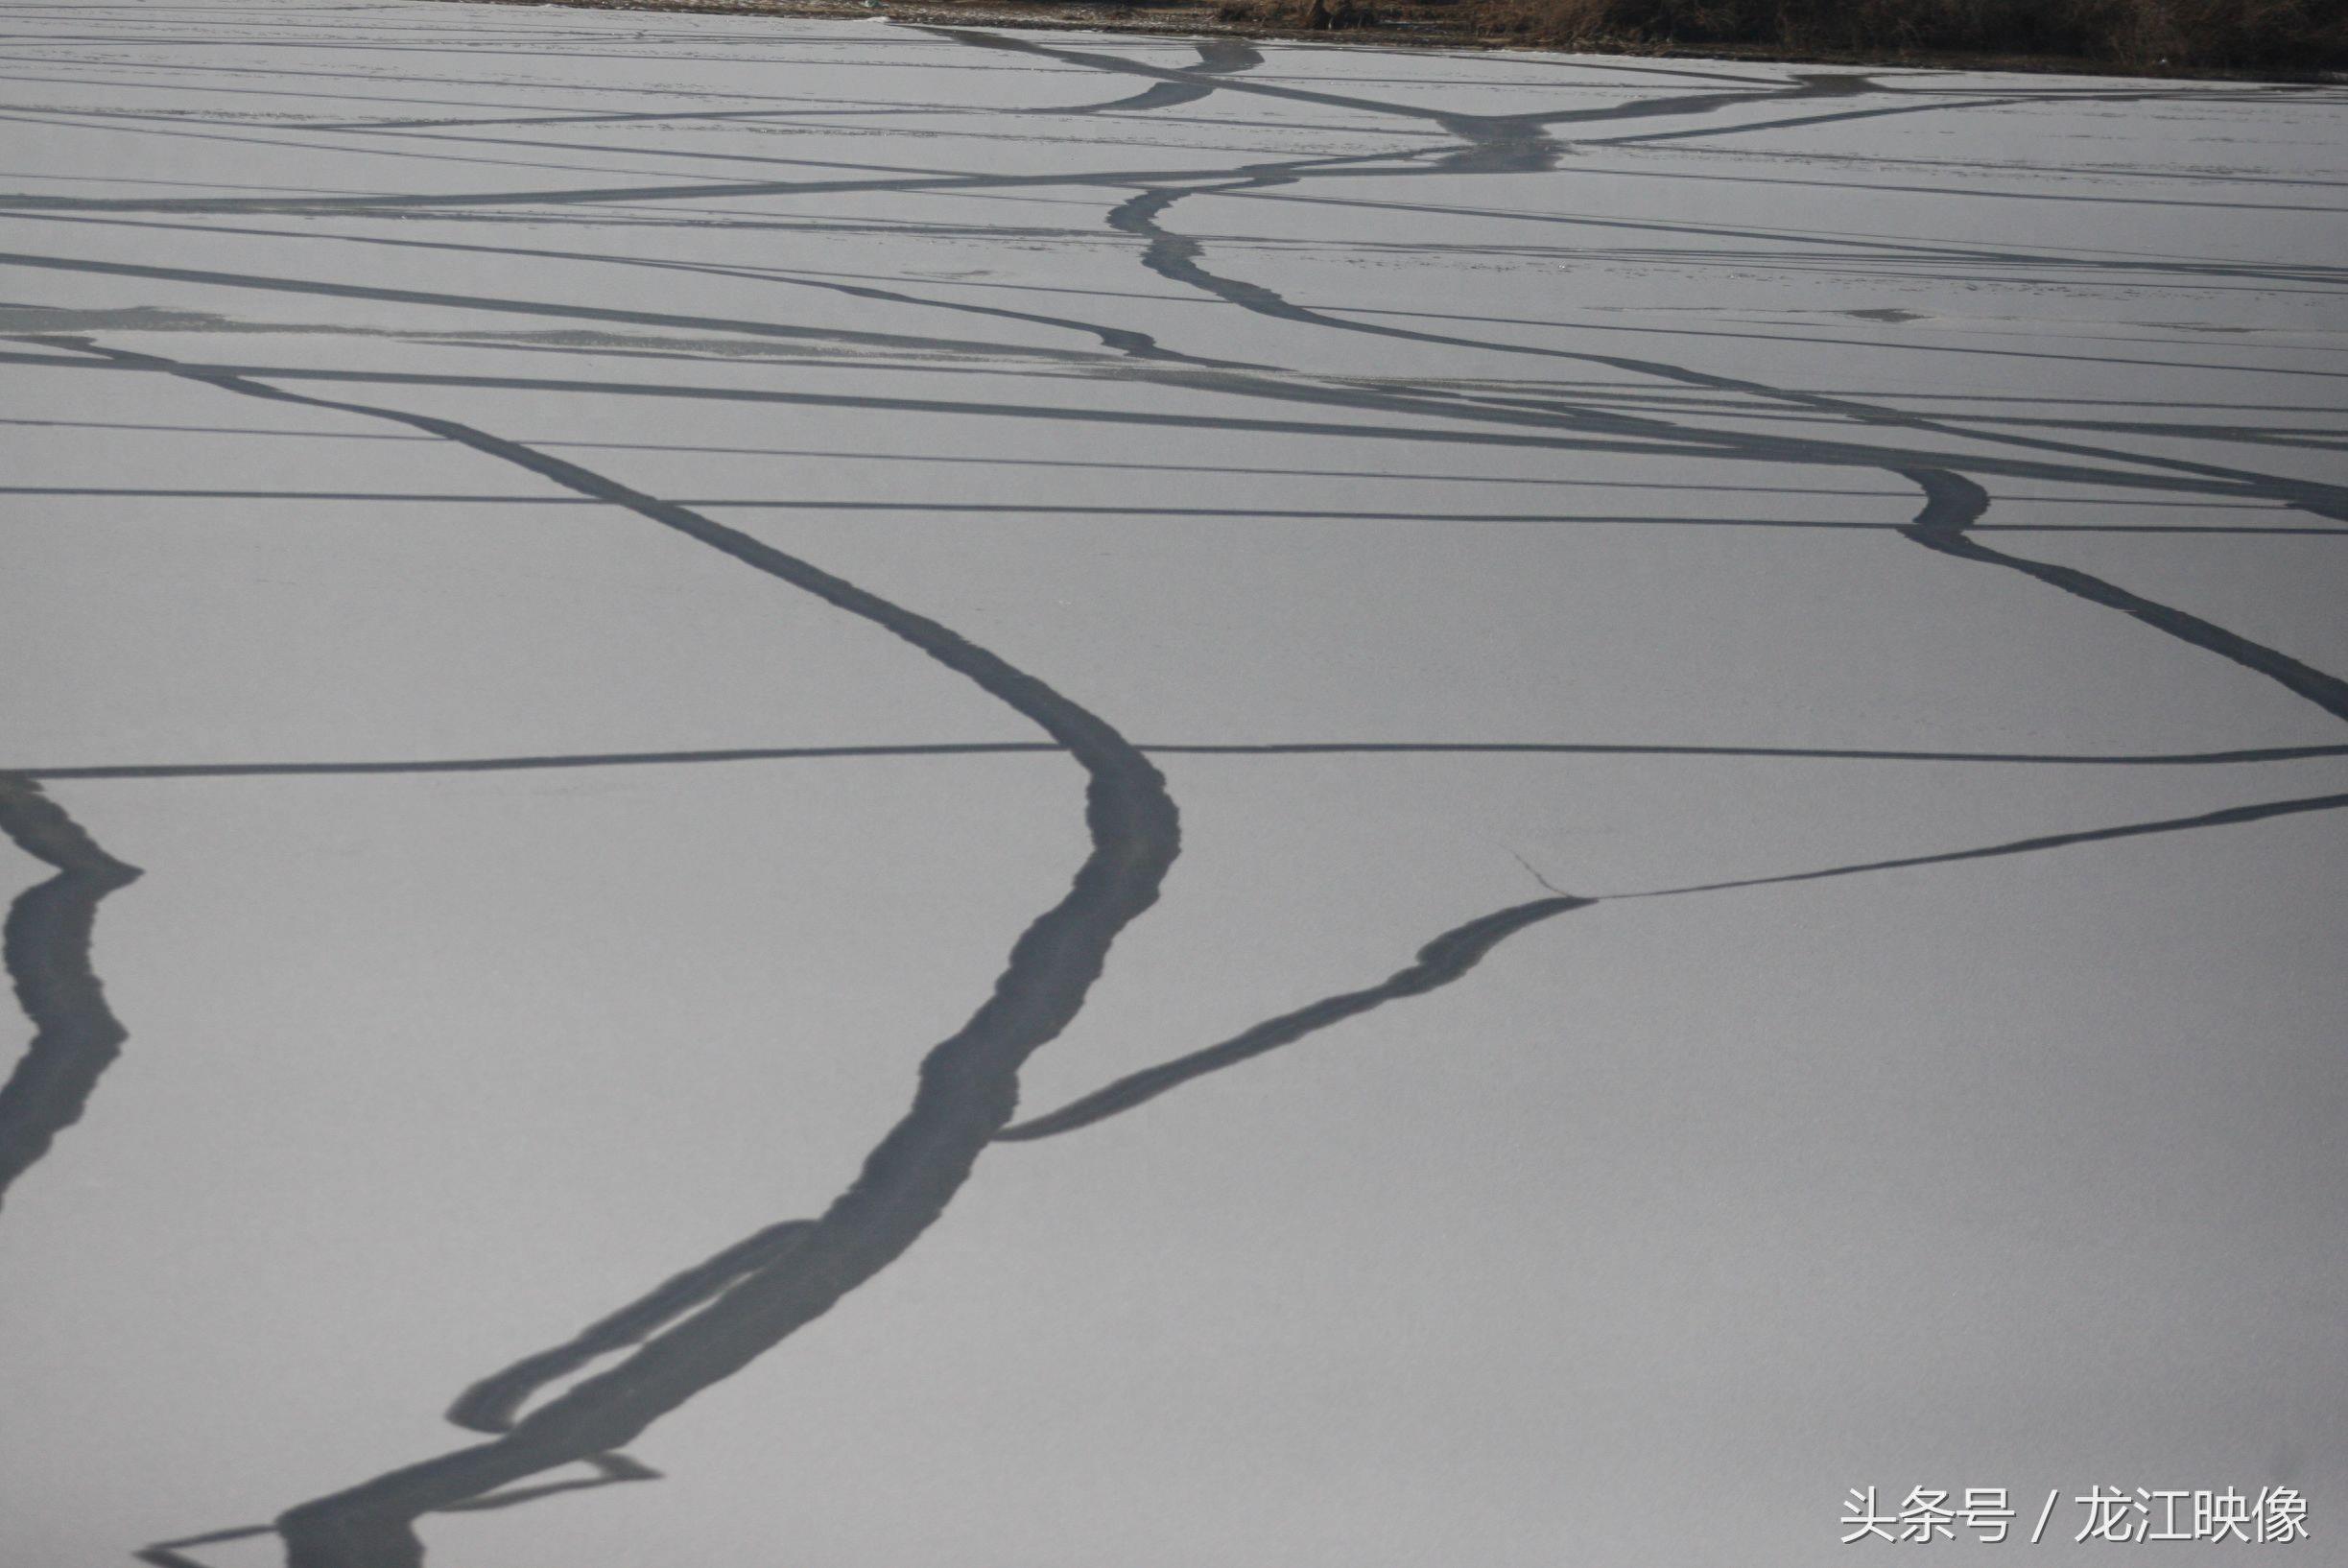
(2207, 35)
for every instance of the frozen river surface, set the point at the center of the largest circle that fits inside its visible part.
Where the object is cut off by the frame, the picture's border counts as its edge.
(1625, 775)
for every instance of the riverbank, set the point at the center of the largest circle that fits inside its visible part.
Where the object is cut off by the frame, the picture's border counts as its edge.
(2154, 45)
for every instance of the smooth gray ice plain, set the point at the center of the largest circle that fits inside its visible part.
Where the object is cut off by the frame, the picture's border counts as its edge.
(821, 793)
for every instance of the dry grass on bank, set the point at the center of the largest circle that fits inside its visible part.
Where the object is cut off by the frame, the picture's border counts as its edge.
(2183, 34)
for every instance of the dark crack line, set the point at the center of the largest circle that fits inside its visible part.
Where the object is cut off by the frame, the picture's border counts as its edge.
(1176, 258)
(1216, 57)
(1519, 143)
(711, 190)
(2231, 815)
(1133, 343)
(1954, 503)
(1497, 143)
(45, 945)
(1442, 961)
(1107, 512)
(967, 1088)
(327, 289)
(1950, 504)
(1179, 259)
(1537, 428)
(1449, 958)
(1452, 955)
(493, 1403)
(1269, 749)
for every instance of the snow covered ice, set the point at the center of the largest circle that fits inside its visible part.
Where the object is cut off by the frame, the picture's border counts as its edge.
(1636, 764)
